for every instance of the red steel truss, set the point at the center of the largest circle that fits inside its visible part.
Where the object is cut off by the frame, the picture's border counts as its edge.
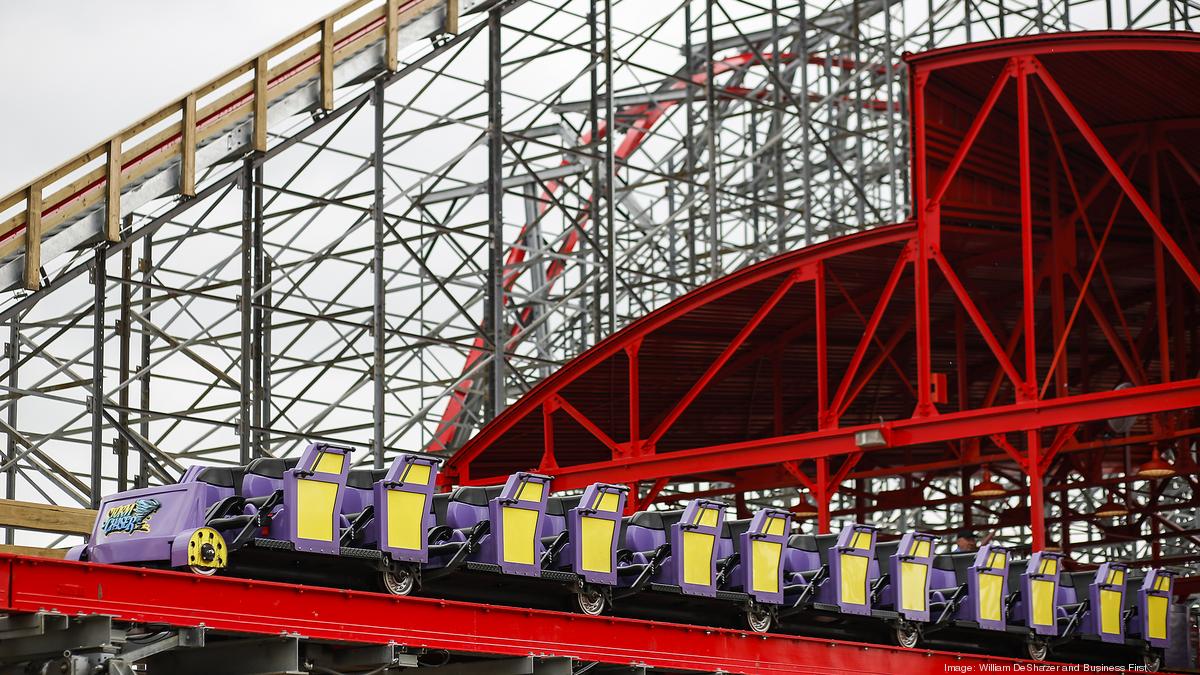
(1046, 283)
(263, 608)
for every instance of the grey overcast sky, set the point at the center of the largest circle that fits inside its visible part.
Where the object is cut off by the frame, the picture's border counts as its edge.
(73, 72)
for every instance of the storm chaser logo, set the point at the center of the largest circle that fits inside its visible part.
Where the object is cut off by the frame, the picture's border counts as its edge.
(131, 517)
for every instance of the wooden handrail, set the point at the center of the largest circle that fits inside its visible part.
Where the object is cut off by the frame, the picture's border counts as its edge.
(35, 551)
(46, 517)
(178, 141)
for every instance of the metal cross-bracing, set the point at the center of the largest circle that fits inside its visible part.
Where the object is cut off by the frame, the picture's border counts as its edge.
(1035, 316)
(386, 228)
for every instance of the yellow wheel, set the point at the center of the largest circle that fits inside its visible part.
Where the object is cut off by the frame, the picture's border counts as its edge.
(207, 551)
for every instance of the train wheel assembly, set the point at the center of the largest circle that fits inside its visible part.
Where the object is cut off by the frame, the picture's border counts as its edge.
(759, 618)
(206, 552)
(908, 634)
(398, 580)
(590, 600)
(1037, 648)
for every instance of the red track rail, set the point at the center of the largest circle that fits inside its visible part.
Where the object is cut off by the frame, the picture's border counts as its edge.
(259, 607)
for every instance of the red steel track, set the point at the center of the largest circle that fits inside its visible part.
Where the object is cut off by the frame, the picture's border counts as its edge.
(266, 608)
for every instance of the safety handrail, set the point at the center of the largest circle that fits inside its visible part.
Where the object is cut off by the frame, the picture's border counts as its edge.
(189, 126)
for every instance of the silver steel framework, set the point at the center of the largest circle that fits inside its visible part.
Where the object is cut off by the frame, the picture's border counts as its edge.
(391, 272)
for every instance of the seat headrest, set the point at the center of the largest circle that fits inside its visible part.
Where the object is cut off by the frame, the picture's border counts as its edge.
(656, 520)
(1015, 569)
(476, 496)
(804, 542)
(558, 506)
(272, 467)
(733, 529)
(954, 561)
(365, 479)
(221, 476)
(884, 550)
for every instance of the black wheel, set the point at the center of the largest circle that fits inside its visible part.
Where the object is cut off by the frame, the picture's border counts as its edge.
(759, 618)
(1037, 648)
(590, 601)
(399, 580)
(1153, 660)
(908, 634)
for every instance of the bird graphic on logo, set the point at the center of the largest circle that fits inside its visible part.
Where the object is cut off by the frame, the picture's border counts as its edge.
(131, 517)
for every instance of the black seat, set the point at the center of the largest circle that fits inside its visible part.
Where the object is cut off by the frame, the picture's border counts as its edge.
(1082, 581)
(814, 543)
(365, 479)
(223, 476)
(476, 496)
(272, 467)
(825, 542)
(803, 542)
(437, 506)
(733, 531)
(959, 563)
(1015, 569)
(1132, 584)
(558, 506)
(656, 520)
(884, 550)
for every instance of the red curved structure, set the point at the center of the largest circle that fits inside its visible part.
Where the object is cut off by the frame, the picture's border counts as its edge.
(1046, 284)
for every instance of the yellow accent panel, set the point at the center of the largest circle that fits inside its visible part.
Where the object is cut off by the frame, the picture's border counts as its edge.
(766, 565)
(405, 512)
(991, 588)
(912, 586)
(1156, 607)
(697, 557)
(1110, 611)
(1116, 577)
(708, 518)
(921, 548)
(1162, 583)
(775, 526)
(416, 473)
(607, 502)
(1043, 592)
(531, 491)
(1049, 566)
(597, 543)
(329, 462)
(996, 561)
(520, 527)
(314, 505)
(861, 541)
(854, 578)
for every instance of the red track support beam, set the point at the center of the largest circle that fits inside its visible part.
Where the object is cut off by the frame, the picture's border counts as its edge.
(263, 608)
(947, 426)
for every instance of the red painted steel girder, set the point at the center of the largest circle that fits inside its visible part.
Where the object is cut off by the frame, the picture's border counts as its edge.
(265, 608)
(950, 426)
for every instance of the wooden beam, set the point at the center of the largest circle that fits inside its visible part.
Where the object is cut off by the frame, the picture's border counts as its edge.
(112, 191)
(46, 517)
(327, 63)
(187, 150)
(452, 17)
(260, 103)
(391, 49)
(33, 237)
(35, 551)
